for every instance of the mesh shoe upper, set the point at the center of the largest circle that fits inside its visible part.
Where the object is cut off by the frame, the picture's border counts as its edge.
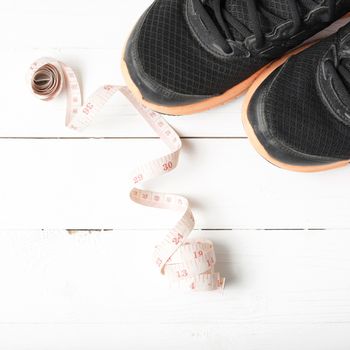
(295, 112)
(278, 12)
(171, 56)
(183, 52)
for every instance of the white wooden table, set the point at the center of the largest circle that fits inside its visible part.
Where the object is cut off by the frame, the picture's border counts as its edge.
(282, 239)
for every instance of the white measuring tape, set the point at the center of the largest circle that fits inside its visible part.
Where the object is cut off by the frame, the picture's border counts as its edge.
(189, 263)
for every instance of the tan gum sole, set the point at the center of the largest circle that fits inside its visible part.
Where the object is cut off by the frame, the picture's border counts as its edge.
(253, 138)
(193, 108)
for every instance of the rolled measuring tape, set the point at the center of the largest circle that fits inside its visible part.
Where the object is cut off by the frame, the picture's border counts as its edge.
(187, 263)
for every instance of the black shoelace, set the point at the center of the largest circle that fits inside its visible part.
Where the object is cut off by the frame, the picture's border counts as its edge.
(224, 19)
(344, 71)
(338, 65)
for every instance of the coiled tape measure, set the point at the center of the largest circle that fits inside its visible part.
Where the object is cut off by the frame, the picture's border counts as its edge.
(188, 263)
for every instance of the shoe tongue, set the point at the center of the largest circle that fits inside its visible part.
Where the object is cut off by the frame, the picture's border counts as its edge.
(278, 12)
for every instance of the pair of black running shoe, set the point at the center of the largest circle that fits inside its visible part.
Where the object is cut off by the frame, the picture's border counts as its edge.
(187, 56)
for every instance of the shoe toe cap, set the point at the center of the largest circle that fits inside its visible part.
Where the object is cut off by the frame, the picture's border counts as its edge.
(277, 148)
(147, 65)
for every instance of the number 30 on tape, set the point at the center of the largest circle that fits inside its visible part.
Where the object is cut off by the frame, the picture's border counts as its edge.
(188, 263)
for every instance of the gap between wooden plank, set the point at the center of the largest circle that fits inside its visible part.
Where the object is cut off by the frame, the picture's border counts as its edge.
(75, 230)
(240, 189)
(102, 230)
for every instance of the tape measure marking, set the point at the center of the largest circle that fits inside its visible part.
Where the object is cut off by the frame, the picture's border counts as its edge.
(188, 263)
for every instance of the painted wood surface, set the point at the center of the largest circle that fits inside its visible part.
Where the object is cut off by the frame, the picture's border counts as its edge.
(285, 289)
(85, 184)
(282, 239)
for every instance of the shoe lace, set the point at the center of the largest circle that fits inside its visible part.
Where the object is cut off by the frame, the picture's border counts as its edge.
(223, 19)
(344, 70)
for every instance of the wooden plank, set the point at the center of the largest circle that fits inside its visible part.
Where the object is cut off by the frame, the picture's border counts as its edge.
(98, 24)
(275, 280)
(95, 67)
(173, 337)
(84, 184)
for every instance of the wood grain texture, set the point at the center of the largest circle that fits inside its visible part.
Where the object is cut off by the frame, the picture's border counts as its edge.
(281, 238)
(281, 285)
(85, 184)
(63, 24)
(173, 337)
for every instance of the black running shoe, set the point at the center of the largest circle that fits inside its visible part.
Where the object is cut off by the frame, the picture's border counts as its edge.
(186, 56)
(297, 113)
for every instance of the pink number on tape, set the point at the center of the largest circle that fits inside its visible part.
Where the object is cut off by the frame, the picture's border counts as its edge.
(186, 262)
